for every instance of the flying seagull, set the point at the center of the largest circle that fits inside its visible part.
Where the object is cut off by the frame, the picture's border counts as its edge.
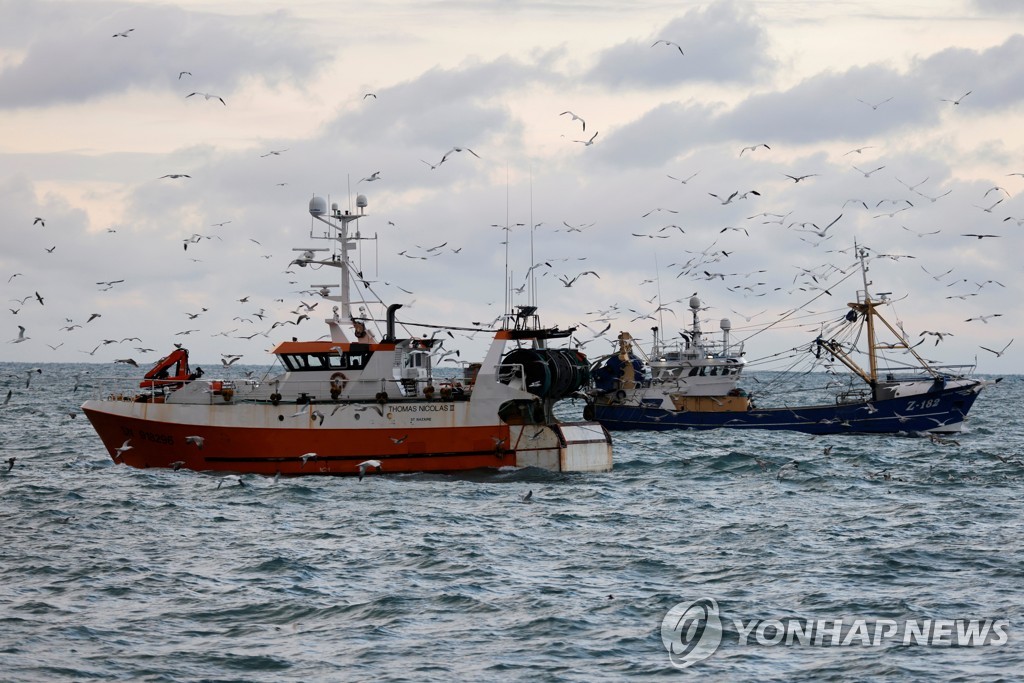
(126, 446)
(457, 149)
(196, 441)
(21, 336)
(575, 118)
(999, 354)
(752, 148)
(957, 100)
(208, 96)
(587, 143)
(670, 44)
(122, 34)
(367, 464)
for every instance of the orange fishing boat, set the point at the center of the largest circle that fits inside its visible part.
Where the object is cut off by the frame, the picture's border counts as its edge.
(359, 405)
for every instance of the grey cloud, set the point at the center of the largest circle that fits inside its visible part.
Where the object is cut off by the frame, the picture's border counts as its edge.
(722, 42)
(77, 59)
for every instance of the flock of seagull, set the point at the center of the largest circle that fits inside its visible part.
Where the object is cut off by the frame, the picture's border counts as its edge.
(700, 264)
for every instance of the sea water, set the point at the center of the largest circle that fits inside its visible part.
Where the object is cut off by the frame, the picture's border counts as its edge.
(114, 573)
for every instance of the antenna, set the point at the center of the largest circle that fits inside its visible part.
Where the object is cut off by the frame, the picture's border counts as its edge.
(508, 238)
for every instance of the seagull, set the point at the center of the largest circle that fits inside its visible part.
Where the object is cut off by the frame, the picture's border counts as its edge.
(183, 73)
(122, 34)
(174, 176)
(373, 176)
(177, 465)
(127, 361)
(367, 464)
(208, 96)
(370, 94)
(457, 149)
(273, 152)
(984, 318)
(669, 43)
(752, 148)
(680, 180)
(230, 478)
(38, 220)
(400, 439)
(587, 143)
(575, 118)
(527, 497)
(957, 100)
(568, 283)
(858, 150)
(867, 174)
(317, 415)
(10, 463)
(979, 236)
(126, 446)
(938, 335)
(196, 441)
(21, 336)
(788, 467)
(875, 106)
(798, 178)
(39, 299)
(306, 457)
(989, 209)
(999, 354)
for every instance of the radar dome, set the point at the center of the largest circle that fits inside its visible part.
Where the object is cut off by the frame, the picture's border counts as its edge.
(726, 324)
(317, 206)
(361, 201)
(695, 302)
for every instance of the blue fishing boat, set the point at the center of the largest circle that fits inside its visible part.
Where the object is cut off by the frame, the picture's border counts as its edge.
(694, 382)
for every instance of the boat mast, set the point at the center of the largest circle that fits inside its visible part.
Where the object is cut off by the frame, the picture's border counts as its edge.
(338, 221)
(868, 310)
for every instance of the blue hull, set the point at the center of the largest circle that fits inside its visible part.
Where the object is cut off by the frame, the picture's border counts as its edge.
(937, 411)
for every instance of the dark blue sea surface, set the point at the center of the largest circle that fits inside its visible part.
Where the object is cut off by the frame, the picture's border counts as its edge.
(113, 573)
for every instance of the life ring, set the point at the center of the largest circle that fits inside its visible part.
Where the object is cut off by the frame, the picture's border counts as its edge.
(338, 383)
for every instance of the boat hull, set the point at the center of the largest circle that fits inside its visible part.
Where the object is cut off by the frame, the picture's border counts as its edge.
(940, 411)
(270, 440)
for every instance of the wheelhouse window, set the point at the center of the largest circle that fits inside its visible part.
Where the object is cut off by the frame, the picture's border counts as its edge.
(301, 362)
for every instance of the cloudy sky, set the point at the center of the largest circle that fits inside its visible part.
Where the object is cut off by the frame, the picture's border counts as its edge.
(905, 118)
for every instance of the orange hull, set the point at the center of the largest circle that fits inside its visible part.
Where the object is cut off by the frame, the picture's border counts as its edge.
(270, 451)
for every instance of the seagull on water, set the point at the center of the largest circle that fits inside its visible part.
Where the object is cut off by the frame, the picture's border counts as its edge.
(367, 464)
(788, 467)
